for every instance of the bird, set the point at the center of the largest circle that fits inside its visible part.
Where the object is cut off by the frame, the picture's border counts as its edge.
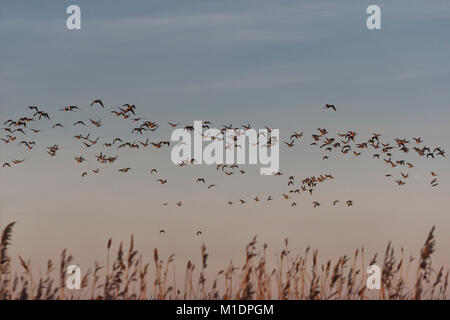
(124, 170)
(18, 161)
(316, 204)
(144, 144)
(69, 108)
(19, 130)
(42, 114)
(162, 181)
(99, 101)
(130, 108)
(334, 202)
(199, 233)
(35, 108)
(289, 144)
(153, 171)
(349, 203)
(296, 135)
(79, 122)
(96, 123)
(80, 159)
(330, 106)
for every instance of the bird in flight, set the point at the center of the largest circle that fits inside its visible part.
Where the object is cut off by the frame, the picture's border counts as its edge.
(80, 159)
(289, 144)
(79, 122)
(69, 108)
(296, 135)
(330, 106)
(99, 101)
(144, 144)
(96, 123)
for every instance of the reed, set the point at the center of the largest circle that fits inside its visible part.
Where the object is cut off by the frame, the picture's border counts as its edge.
(299, 277)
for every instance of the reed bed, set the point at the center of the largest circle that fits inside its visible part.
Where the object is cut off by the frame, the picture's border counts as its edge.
(125, 275)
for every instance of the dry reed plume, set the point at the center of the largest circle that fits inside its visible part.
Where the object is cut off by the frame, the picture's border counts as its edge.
(126, 276)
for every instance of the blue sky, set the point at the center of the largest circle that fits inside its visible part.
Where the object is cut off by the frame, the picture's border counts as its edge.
(305, 51)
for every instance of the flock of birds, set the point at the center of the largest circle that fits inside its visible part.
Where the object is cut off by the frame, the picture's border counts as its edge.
(23, 131)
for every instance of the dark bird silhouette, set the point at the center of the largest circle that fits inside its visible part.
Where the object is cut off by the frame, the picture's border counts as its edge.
(99, 101)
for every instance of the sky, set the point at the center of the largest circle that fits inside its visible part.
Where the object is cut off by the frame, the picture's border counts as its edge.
(273, 63)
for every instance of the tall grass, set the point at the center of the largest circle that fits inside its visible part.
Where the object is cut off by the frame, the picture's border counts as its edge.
(294, 277)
